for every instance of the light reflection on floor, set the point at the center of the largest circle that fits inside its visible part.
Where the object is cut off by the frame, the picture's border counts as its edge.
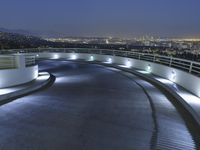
(73, 79)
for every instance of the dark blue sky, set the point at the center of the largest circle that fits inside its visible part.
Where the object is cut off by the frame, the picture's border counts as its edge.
(127, 18)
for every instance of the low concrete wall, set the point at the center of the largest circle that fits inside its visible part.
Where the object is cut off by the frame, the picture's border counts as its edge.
(33, 87)
(186, 80)
(12, 77)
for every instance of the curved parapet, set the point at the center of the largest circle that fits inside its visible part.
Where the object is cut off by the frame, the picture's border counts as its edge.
(179, 74)
(183, 72)
(17, 69)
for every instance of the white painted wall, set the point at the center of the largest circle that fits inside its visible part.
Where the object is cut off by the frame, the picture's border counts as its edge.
(20, 75)
(12, 77)
(186, 80)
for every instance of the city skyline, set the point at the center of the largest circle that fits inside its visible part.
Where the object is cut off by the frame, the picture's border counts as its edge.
(103, 18)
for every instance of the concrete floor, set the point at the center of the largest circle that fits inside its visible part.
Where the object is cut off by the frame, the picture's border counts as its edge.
(91, 107)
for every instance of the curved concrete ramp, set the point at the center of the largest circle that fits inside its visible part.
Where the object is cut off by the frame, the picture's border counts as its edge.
(91, 107)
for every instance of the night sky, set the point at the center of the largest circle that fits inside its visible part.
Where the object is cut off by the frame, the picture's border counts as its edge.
(126, 18)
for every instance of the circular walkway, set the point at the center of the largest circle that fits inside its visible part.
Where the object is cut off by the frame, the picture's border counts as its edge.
(92, 107)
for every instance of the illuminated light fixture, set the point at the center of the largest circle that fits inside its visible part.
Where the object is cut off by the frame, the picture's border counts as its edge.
(109, 60)
(128, 63)
(55, 56)
(37, 55)
(173, 76)
(73, 57)
(91, 58)
(149, 68)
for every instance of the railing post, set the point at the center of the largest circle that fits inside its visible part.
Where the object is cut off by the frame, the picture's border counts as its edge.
(13, 62)
(126, 54)
(190, 70)
(139, 56)
(170, 63)
(154, 58)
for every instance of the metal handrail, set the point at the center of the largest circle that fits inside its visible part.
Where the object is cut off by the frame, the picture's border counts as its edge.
(29, 60)
(182, 64)
(7, 62)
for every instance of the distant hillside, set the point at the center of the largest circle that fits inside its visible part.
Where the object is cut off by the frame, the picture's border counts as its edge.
(17, 41)
(23, 32)
(14, 40)
(43, 34)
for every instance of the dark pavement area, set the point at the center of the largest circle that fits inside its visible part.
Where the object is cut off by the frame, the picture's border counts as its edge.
(92, 107)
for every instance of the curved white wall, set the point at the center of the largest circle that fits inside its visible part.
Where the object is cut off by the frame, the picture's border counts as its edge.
(186, 80)
(12, 77)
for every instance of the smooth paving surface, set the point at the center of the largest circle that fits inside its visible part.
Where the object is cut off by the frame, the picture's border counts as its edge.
(91, 107)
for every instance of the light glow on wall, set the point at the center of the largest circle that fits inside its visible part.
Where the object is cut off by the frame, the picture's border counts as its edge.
(91, 58)
(35, 72)
(55, 56)
(173, 76)
(128, 63)
(110, 60)
(73, 57)
(149, 68)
